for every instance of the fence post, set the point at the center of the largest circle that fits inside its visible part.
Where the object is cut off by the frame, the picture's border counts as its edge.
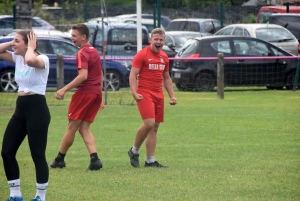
(296, 76)
(103, 53)
(222, 14)
(220, 76)
(154, 16)
(158, 2)
(60, 72)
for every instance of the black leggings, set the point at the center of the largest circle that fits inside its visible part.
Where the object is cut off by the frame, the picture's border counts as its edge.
(31, 118)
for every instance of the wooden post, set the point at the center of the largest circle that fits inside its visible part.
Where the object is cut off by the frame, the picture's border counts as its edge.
(220, 76)
(60, 72)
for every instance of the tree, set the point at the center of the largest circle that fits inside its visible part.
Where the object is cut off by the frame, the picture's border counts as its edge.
(6, 7)
(207, 3)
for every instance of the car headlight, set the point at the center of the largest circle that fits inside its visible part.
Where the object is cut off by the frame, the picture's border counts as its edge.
(127, 64)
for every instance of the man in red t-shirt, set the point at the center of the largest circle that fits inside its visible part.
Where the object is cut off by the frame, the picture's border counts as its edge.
(151, 67)
(86, 101)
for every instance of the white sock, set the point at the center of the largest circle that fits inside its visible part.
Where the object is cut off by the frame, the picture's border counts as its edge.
(15, 189)
(41, 190)
(135, 150)
(150, 159)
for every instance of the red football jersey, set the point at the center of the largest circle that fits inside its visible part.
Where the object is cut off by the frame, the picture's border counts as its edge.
(88, 58)
(152, 66)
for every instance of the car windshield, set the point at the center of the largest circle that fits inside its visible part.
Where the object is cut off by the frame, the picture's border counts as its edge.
(180, 40)
(184, 26)
(190, 48)
(63, 48)
(274, 35)
(123, 36)
(225, 31)
(264, 17)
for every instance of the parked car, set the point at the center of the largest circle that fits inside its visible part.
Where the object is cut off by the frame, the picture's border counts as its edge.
(7, 24)
(290, 21)
(201, 75)
(202, 25)
(120, 39)
(176, 39)
(272, 33)
(174, 42)
(148, 23)
(266, 11)
(165, 20)
(117, 75)
(45, 33)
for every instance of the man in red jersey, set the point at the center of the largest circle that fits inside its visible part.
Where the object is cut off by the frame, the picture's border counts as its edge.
(151, 67)
(86, 101)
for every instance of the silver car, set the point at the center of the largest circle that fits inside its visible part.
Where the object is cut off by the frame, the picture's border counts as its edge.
(7, 24)
(272, 33)
(203, 25)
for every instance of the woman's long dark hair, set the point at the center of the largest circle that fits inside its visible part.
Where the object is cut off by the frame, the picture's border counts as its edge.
(24, 34)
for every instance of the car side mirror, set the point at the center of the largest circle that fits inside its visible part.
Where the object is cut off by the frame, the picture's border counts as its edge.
(171, 46)
(269, 53)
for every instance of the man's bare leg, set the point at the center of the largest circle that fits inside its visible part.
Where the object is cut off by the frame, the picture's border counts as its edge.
(143, 132)
(87, 136)
(69, 136)
(89, 140)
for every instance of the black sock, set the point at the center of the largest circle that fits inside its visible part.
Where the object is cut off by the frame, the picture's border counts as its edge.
(60, 157)
(94, 157)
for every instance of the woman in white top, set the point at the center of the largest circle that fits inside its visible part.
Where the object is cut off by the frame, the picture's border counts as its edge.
(31, 116)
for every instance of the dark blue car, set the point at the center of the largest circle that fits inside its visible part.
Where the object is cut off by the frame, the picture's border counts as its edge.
(117, 73)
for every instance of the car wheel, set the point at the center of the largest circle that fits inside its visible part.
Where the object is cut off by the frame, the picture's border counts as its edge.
(273, 88)
(204, 82)
(7, 81)
(179, 87)
(112, 80)
(290, 81)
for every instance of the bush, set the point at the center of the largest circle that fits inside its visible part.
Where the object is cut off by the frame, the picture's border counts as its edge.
(6, 7)
(250, 19)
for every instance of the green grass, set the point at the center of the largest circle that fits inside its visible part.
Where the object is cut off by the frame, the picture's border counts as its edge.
(245, 147)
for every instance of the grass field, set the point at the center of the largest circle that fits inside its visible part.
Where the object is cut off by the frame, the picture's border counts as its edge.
(245, 147)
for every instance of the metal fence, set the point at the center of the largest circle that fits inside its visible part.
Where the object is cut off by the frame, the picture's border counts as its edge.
(65, 16)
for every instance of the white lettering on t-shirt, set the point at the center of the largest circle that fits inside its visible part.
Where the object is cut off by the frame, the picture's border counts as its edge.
(156, 66)
(153, 66)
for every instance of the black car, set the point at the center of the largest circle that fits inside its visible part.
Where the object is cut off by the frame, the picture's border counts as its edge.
(175, 40)
(290, 21)
(201, 75)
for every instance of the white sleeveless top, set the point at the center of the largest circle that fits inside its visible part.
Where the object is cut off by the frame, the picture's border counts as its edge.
(30, 79)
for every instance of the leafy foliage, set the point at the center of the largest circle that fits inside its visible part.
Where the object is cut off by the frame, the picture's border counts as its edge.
(37, 11)
(194, 4)
(250, 19)
(6, 7)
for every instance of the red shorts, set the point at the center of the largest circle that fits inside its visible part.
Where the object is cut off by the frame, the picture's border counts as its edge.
(152, 105)
(84, 106)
